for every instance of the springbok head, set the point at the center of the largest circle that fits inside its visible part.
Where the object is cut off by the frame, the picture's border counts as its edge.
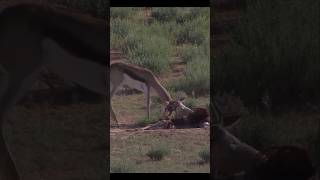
(177, 106)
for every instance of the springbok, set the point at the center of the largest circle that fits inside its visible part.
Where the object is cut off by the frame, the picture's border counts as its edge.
(33, 36)
(72, 46)
(142, 79)
(235, 160)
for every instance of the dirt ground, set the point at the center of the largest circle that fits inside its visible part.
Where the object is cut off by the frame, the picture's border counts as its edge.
(129, 144)
(59, 142)
(129, 149)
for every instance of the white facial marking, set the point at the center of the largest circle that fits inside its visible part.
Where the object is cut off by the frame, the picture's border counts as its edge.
(185, 108)
(182, 111)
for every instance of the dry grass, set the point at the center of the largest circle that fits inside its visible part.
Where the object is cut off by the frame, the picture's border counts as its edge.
(183, 144)
(63, 142)
(129, 148)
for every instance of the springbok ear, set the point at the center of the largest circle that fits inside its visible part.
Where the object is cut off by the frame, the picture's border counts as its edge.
(167, 103)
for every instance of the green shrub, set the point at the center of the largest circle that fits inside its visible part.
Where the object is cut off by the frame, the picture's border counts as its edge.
(151, 46)
(164, 14)
(195, 31)
(197, 77)
(184, 15)
(276, 55)
(205, 156)
(158, 153)
(190, 52)
(121, 168)
(120, 12)
(187, 34)
(149, 51)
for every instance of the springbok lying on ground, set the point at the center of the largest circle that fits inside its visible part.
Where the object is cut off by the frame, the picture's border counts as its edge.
(230, 155)
(198, 119)
(286, 162)
(235, 160)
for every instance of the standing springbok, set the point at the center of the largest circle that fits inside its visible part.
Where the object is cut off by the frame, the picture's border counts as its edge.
(71, 45)
(32, 36)
(142, 79)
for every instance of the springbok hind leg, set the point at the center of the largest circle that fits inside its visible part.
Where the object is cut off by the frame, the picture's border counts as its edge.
(8, 169)
(112, 91)
(12, 91)
(113, 115)
(148, 101)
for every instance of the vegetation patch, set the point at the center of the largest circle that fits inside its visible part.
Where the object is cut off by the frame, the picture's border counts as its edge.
(197, 78)
(153, 45)
(121, 168)
(275, 55)
(205, 156)
(157, 154)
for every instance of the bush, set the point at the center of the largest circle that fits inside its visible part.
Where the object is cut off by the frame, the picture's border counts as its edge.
(151, 46)
(187, 34)
(119, 27)
(147, 46)
(149, 51)
(157, 154)
(187, 14)
(195, 31)
(197, 77)
(120, 12)
(164, 14)
(189, 52)
(120, 168)
(205, 156)
(273, 55)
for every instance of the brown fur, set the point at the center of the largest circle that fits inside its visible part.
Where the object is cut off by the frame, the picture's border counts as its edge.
(286, 162)
(23, 28)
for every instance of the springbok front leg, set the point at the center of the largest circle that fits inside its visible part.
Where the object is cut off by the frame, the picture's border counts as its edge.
(140, 86)
(14, 86)
(113, 115)
(113, 89)
(148, 101)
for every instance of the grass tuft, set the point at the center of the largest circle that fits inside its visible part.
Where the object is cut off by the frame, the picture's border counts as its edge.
(205, 156)
(158, 153)
(121, 168)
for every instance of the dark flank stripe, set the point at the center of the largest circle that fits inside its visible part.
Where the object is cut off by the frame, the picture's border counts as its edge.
(125, 68)
(133, 76)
